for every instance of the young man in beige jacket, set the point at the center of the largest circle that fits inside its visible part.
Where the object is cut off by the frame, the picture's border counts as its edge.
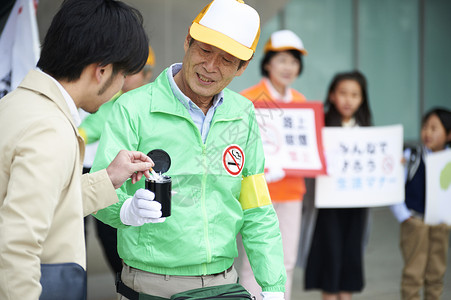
(89, 48)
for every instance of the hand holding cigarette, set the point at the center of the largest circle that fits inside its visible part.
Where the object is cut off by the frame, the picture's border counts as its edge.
(129, 164)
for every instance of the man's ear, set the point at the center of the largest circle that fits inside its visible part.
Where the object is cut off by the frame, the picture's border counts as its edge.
(102, 73)
(243, 67)
(448, 137)
(187, 41)
(99, 72)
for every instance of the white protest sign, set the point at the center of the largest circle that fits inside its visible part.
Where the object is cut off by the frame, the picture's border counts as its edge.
(438, 188)
(291, 136)
(363, 165)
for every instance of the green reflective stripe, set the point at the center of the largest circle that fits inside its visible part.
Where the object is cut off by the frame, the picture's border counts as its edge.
(254, 192)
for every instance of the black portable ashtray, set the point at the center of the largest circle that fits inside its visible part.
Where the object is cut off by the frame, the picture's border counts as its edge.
(162, 188)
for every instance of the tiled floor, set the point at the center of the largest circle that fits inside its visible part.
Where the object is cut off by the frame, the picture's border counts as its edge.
(383, 265)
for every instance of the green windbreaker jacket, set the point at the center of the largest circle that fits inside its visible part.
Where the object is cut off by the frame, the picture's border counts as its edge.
(220, 187)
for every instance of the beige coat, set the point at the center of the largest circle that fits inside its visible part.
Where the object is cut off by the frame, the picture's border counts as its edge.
(43, 196)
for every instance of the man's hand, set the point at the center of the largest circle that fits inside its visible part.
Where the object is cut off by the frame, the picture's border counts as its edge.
(128, 164)
(273, 296)
(141, 209)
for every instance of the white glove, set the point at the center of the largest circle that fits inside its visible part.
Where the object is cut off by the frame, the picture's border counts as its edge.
(274, 174)
(141, 209)
(273, 296)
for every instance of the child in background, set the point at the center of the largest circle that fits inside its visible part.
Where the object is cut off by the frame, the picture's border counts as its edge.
(335, 260)
(424, 247)
(280, 67)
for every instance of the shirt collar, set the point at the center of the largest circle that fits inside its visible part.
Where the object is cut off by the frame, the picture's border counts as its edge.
(187, 102)
(70, 102)
(275, 94)
(350, 123)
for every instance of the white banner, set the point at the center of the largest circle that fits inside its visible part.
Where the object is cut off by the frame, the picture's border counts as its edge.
(19, 45)
(364, 167)
(438, 188)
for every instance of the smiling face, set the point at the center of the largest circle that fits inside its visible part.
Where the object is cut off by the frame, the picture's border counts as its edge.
(347, 98)
(283, 69)
(206, 71)
(433, 134)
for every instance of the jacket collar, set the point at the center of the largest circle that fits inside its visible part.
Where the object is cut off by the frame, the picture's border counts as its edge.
(41, 83)
(68, 98)
(163, 100)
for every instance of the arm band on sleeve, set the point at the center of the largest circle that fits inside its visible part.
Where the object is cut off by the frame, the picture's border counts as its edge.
(254, 192)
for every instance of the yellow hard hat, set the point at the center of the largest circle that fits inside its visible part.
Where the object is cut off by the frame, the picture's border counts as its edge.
(230, 25)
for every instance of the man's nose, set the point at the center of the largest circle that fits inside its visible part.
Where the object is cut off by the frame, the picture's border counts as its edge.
(212, 62)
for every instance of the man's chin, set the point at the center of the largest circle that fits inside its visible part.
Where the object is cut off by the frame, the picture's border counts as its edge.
(91, 110)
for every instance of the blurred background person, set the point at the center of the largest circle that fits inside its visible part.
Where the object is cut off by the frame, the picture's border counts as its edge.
(424, 247)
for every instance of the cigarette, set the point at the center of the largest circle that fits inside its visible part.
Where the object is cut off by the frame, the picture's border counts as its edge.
(155, 175)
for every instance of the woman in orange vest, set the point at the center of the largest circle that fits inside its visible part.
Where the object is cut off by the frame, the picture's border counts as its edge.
(280, 67)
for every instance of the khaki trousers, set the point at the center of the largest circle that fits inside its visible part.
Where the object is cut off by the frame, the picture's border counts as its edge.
(167, 285)
(424, 249)
(289, 214)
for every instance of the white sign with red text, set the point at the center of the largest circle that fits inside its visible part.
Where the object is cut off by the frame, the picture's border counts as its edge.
(291, 136)
(364, 167)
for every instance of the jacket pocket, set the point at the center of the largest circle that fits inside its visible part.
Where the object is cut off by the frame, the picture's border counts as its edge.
(63, 281)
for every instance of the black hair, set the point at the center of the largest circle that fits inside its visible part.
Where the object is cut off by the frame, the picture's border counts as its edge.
(363, 113)
(268, 55)
(94, 31)
(443, 114)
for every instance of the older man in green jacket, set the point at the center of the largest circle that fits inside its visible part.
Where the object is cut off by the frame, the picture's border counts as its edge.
(212, 137)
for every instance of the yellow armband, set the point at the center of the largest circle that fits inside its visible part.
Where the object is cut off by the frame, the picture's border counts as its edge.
(254, 192)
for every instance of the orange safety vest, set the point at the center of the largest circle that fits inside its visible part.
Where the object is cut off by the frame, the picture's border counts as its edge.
(290, 188)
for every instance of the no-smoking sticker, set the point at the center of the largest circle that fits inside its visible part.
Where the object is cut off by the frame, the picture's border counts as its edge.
(233, 159)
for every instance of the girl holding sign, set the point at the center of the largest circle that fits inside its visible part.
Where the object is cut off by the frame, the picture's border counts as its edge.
(335, 260)
(424, 247)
